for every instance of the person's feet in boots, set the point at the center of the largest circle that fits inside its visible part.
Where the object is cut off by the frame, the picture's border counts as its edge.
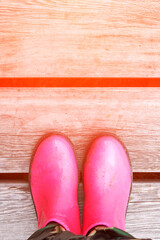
(107, 185)
(54, 183)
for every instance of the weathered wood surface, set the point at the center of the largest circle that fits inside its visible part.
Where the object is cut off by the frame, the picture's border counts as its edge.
(18, 218)
(107, 38)
(26, 114)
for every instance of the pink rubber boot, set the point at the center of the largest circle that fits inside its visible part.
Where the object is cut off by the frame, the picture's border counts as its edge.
(54, 183)
(107, 184)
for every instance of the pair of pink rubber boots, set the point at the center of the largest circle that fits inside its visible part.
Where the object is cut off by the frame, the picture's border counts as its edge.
(107, 184)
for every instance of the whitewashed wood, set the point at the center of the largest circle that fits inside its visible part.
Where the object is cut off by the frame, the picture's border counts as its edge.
(144, 210)
(101, 38)
(26, 114)
(18, 218)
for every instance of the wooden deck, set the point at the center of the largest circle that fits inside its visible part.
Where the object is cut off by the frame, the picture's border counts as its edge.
(26, 114)
(101, 38)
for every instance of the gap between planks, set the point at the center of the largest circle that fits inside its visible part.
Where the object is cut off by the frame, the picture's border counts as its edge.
(23, 177)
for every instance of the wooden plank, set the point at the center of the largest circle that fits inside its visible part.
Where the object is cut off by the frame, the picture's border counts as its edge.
(26, 114)
(18, 217)
(80, 38)
(144, 207)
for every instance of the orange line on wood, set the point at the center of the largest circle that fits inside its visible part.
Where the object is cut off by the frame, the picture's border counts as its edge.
(79, 82)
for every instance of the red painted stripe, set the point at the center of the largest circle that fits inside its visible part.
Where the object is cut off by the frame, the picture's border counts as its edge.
(79, 82)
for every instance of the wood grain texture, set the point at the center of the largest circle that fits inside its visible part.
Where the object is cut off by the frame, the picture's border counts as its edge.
(101, 38)
(26, 114)
(18, 217)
